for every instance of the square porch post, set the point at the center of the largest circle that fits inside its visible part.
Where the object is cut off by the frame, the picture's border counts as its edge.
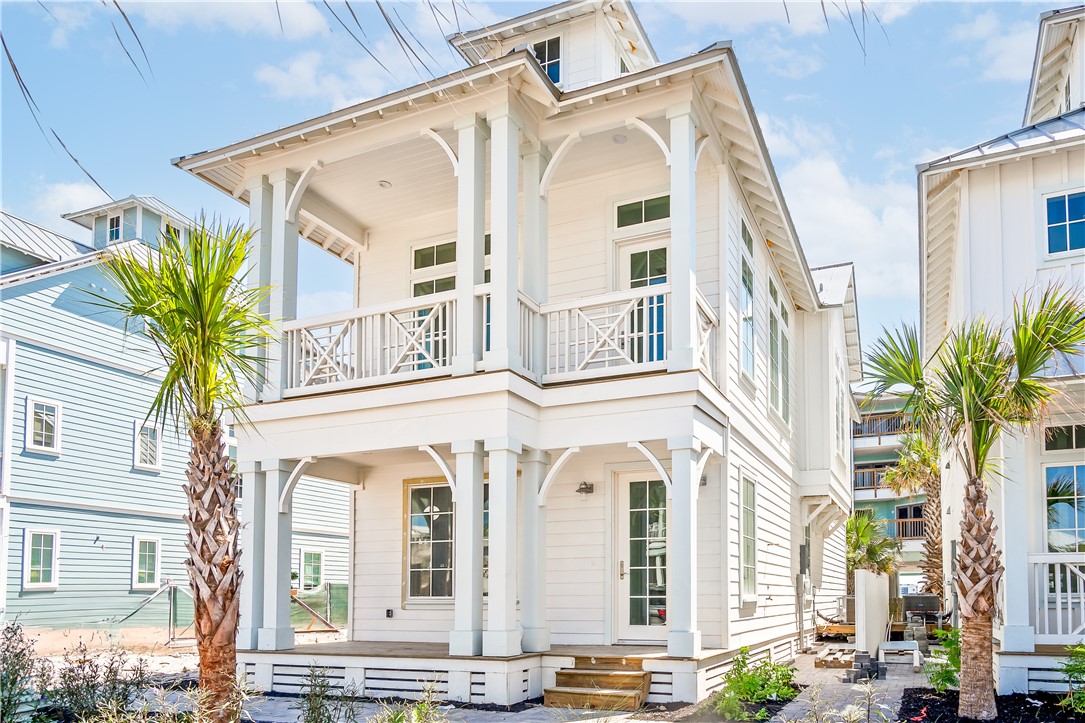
(282, 277)
(535, 237)
(504, 350)
(684, 638)
(276, 632)
(259, 256)
(252, 556)
(536, 638)
(470, 233)
(502, 636)
(1018, 516)
(466, 635)
(683, 326)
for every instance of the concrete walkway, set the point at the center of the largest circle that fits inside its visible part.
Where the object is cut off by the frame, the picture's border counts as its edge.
(835, 696)
(277, 709)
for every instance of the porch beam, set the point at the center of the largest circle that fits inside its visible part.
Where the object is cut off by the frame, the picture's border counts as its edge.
(465, 637)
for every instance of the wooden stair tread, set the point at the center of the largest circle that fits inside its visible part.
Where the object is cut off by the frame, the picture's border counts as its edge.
(601, 691)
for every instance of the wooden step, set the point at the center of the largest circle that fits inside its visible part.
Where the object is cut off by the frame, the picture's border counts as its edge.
(597, 698)
(608, 663)
(604, 679)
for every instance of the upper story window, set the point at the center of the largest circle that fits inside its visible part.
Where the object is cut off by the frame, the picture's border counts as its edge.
(749, 538)
(172, 231)
(114, 229)
(146, 446)
(1066, 222)
(40, 559)
(42, 426)
(841, 409)
(548, 53)
(1067, 437)
(643, 211)
(746, 303)
(438, 263)
(145, 559)
(779, 353)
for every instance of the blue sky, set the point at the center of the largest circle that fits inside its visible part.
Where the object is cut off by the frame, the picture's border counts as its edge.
(845, 128)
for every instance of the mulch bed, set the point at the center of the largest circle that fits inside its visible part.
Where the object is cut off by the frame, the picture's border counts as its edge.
(924, 705)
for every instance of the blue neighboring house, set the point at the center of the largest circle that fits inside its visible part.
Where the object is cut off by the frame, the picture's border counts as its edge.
(90, 490)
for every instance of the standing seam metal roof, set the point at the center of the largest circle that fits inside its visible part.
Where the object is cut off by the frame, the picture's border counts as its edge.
(33, 240)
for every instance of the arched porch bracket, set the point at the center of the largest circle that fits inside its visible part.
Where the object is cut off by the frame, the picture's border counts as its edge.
(701, 462)
(430, 133)
(702, 143)
(292, 482)
(552, 474)
(654, 461)
(551, 167)
(651, 133)
(294, 204)
(442, 464)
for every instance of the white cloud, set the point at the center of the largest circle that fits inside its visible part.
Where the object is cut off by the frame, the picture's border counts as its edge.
(800, 18)
(324, 302)
(300, 19)
(52, 200)
(1003, 51)
(67, 18)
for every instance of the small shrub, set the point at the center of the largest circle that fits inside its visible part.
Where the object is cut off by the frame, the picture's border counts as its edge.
(17, 673)
(944, 671)
(728, 706)
(426, 709)
(747, 684)
(321, 703)
(1074, 670)
(85, 684)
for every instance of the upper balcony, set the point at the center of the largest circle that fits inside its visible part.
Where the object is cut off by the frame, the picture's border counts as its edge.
(878, 430)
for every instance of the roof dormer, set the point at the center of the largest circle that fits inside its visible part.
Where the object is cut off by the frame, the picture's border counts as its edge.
(577, 43)
(141, 218)
(1058, 69)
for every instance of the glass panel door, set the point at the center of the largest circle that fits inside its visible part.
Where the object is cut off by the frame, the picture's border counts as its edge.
(645, 264)
(642, 559)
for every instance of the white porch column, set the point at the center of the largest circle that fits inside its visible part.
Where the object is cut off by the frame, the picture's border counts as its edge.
(470, 232)
(252, 556)
(533, 553)
(684, 638)
(282, 277)
(275, 630)
(504, 350)
(259, 252)
(1020, 466)
(535, 235)
(466, 635)
(683, 322)
(502, 636)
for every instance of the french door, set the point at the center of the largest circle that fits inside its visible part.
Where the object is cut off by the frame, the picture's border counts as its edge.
(641, 555)
(645, 264)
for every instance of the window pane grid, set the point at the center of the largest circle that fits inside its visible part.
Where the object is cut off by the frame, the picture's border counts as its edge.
(1065, 508)
(42, 558)
(312, 569)
(749, 537)
(148, 446)
(647, 553)
(1066, 223)
(430, 551)
(645, 211)
(147, 562)
(45, 425)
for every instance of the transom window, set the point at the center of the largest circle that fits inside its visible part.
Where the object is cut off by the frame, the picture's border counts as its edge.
(1065, 507)
(1057, 439)
(779, 353)
(42, 426)
(1066, 223)
(749, 537)
(312, 569)
(548, 53)
(145, 562)
(147, 452)
(114, 229)
(643, 211)
(436, 265)
(40, 549)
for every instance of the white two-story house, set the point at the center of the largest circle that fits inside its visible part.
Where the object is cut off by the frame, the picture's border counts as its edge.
(589, 395)
(996, 220)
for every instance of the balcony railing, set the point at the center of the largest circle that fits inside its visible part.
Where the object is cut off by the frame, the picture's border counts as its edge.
(879, 425)
(906, 529)
(870, 478)
(1058, 597)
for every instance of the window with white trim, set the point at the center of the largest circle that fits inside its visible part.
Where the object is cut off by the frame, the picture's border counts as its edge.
(312, 568)
(548, 53)
(42, 425)
(1065, 222)
(146, 446)
(145, 562)
(644, 210)
(746, 304)
(430, 540)
(1065, 509)
(41, 559)
(113, 229)
(779, 353)
(749, 538)
(433, 267)
(1066, 437)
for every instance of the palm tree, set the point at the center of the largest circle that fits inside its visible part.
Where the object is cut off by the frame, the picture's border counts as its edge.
(985, 379)
(917, 471)
(869, 548)
(206, 325)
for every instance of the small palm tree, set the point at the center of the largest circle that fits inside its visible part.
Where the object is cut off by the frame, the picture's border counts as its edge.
(869, 548)
(985, 380)
(917, 472)
(194, 307)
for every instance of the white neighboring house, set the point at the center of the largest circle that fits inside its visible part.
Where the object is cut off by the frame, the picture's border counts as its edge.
(591, 396)
(997, 219)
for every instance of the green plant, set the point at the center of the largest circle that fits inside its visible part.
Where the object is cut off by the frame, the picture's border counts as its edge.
(747, 683)
(85, 683)
(322, 703)
(1074, 670)
(17, 673)
(728, 706)
(424, 710)
(944, 671)
(869, 548)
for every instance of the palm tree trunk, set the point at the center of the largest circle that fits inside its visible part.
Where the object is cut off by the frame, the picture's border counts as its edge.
(979, 570)
(213, 569)
(932, 539)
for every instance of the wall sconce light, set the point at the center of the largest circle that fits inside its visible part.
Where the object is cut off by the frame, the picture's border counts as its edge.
(585, 488)
(704, 480)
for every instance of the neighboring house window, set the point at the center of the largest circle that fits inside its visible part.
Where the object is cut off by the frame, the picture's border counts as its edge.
(779, 353)
(42, 426)
(40, 559)
(147, 446)
(172, 231)
(312, 569)
(1066, 222)
(429, 541)
(749, 538)
(114, 227)
(643, 211)
(548, 53)
(1057, 439)
(1065, 501)
(145, 562)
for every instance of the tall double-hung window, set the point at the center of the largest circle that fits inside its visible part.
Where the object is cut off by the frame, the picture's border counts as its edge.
(40, 559)
(430, 540)
(1065, 222)
(1065, 488)
(749, 538)
(746, 303)
(779, 353)
(145, 562)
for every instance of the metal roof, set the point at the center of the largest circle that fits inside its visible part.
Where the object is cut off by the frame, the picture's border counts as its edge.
(79, 261)
(86, 217)
(33, 240)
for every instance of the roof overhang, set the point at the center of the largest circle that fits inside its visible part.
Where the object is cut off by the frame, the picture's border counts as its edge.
(841, 294)
(36, 273)
(85, 218)
(1054, 43)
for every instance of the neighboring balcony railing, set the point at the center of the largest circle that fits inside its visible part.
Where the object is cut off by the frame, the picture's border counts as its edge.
(906, 529)
(879, 425)
(870, 478)
(1057, 608)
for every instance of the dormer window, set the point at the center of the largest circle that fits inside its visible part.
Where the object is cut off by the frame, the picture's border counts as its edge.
(114, 229)
(172, 232)
(548, 53)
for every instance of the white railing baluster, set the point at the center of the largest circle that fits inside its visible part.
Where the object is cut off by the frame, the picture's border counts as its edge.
(1057, 602)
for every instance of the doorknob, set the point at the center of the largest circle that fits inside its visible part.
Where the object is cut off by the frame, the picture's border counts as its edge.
(621, 570)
